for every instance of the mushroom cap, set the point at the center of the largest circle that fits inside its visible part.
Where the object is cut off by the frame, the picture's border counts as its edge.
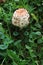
(2, 1)
(20, 18)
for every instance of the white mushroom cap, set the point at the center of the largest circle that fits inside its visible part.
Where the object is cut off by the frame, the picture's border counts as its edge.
(20, 18)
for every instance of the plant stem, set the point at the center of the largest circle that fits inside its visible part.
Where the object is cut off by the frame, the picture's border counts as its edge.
(9, 30)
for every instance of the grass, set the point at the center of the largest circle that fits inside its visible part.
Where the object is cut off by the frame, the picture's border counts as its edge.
(21, 47)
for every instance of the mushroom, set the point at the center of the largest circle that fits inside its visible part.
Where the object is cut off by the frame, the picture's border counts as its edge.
(2, 1)
(20, 18)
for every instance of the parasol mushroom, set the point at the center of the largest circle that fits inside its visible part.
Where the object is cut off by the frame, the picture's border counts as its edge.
(2, 1)
(20, 18)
